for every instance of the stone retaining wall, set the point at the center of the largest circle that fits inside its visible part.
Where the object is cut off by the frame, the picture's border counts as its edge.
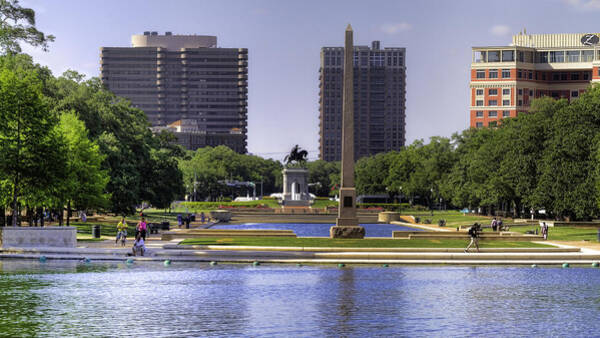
(64, 237)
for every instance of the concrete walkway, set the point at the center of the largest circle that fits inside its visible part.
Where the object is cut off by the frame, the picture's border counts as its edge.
(161, 250)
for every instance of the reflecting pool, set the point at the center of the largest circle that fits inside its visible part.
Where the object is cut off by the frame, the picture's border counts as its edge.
(318, 230)
(150, 299)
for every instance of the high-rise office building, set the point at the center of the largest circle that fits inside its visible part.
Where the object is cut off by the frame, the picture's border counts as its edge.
(505, 79)
(175, 78)
(379, 100)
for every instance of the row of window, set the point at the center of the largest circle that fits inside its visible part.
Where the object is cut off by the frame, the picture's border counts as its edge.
(493, 74)
(480, 103)
(492, 92)
(535, 75)
(492, 113)
(558, 56)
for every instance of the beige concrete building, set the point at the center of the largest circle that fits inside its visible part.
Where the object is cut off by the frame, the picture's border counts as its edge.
(184, 78)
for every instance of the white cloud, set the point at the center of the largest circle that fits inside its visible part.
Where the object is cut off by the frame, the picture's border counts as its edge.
(583, 4)
(500, 30)
(395, 28)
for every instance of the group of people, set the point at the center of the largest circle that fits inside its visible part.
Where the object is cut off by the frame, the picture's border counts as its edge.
(497, 225)
(140, 235)
(181, 220)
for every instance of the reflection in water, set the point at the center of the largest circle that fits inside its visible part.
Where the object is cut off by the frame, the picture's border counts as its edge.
(74, 299)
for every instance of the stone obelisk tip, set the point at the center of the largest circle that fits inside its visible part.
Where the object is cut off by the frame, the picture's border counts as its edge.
(349, 28)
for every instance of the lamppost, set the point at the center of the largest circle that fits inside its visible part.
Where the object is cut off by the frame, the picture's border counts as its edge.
(400, 200)
(431, 202)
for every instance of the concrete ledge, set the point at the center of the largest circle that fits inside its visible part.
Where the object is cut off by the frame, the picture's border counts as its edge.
(200, 233)
(38, 237)
(327, 249)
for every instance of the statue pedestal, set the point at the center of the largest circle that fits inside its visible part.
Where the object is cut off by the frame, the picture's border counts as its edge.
(346, 225)
(295, 187)
(347, 231)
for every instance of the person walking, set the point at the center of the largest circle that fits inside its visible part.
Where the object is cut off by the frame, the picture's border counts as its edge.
(121, 231)
(494, 224)
(545, 230)
(179, 220)
(473, 233)
(187, 221)
(141, 228)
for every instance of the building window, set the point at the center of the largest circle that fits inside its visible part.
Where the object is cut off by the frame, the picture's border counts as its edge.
(492, 91)
(479, 92)
(572, 56)
(574, 76)
(505, 73)
(574, 93)
(508, 56)
(530, 92)
(492, 113)
(479, 113)
(587, 55)
(506, 102)
(493, 73)
(530, 75)
(505, 91)
(479, 103)
(520, 102)
(542, 57)
(520, 91)
(555, 76)
(494, 56)
(479, 125)
(543, 76)
(586, 75)
(492, 103)
(506, 113)
(557, 56)
(481, 74)
(519, 74)
(563, 76)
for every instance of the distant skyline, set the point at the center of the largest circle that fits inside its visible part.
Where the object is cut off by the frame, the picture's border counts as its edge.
(284, 39)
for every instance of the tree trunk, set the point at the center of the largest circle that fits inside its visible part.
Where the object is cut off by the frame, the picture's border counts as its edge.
(68, 213)
(41, 213)
(29, 215)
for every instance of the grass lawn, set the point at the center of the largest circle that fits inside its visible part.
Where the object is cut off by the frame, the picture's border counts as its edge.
(562, 233)
(353, 243)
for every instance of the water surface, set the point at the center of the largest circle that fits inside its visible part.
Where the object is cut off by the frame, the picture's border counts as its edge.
(149, 299)
(318, 230)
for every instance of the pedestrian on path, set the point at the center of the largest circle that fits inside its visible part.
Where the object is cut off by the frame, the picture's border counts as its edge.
(202, 217)
(121, 231)
(474, 233)
(545, 230)
(141, 228)
(179, 220)
(187, 221)
(494, 224)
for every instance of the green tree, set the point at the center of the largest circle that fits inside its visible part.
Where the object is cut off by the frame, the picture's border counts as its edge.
(18, 24)
(86, 181)
(28, 144)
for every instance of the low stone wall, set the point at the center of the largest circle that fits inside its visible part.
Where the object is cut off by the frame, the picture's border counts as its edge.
(388, 216)
(200, 233)
(64, 237)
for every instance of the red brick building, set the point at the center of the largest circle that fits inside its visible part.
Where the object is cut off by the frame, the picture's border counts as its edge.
(505, 79)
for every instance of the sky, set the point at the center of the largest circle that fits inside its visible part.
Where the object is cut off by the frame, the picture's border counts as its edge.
(284, 39)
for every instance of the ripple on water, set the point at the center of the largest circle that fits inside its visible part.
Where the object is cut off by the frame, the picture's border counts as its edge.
(238, 300)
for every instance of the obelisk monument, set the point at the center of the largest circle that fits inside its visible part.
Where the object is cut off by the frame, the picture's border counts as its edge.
(346, 224)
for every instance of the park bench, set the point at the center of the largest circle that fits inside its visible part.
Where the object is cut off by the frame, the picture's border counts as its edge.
(154, 227)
